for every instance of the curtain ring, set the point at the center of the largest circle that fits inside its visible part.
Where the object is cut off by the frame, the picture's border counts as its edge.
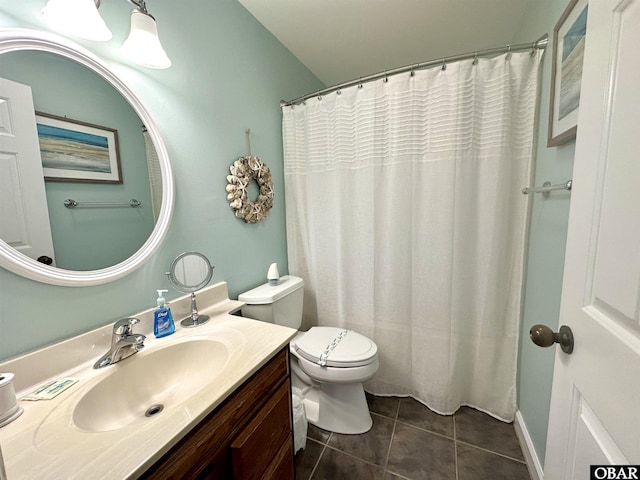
(508, 55)
(360, 82)
(533, 49)
(385, 79)
(413, 71)
(444, 65)
(475, 58)
(338, 92)
(319, 96)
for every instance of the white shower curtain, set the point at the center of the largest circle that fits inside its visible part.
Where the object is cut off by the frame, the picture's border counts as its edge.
(155, 174)
(406, 220)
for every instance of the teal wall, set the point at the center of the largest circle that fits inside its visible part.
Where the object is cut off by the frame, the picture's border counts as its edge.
(547, 239)
(91, 238)
(228, 74)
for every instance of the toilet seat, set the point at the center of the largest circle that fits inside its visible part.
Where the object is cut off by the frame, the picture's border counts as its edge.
(336, 375)
(335, 347)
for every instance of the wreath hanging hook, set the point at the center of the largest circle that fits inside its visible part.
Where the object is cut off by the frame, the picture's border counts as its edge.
(248, 132)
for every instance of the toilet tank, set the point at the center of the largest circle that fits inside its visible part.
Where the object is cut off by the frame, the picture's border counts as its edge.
(280, 304)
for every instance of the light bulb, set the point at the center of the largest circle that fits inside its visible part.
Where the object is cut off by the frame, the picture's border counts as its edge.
(77, 17)
(143, 45)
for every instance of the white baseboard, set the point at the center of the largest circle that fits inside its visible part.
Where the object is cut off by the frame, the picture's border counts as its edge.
(530, 455)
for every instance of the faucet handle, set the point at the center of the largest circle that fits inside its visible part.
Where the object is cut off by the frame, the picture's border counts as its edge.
(123, 327)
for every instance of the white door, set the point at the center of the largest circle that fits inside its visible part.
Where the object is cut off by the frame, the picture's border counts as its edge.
(595, 404)
(24, 216)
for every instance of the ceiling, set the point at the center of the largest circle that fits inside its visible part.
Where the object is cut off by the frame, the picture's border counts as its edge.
(341, 40)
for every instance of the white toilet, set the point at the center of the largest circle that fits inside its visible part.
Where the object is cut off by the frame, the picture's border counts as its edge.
(328, 364)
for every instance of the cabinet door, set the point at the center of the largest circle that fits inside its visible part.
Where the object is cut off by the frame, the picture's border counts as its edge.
(282, 467)
(255, 449)
(214, 466)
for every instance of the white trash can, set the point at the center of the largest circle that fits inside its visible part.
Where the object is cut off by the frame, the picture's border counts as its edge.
(299, 420)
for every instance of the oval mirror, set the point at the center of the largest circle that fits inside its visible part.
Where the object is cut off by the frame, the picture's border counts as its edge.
(189, 272)
(26, 54)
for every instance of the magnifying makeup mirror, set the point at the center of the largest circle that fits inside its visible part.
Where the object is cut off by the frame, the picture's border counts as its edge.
(189, 272)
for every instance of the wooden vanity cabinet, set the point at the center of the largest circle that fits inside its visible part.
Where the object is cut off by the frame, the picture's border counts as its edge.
(249, 436)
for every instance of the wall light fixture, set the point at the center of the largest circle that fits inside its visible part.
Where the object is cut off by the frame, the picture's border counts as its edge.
(82, 19)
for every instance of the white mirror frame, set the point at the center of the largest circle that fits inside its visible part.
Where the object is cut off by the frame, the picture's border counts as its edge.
(23, 39)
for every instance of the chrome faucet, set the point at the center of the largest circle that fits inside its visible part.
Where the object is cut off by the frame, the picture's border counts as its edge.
(124, 343)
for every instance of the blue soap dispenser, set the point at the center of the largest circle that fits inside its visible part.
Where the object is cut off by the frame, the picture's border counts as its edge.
(162, 319)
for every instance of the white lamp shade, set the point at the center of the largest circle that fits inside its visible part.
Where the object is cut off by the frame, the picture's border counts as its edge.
(143, 45)
(77, 17)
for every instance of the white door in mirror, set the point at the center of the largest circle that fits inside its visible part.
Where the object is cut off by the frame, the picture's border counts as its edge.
(24, 217)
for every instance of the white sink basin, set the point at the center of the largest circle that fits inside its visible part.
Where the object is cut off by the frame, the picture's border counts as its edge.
(143, 385)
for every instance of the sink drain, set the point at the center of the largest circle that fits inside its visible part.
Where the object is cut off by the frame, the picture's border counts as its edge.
(153, 410)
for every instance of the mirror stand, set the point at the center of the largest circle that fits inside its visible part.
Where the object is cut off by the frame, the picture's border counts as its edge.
(195, 319)
(189, 272)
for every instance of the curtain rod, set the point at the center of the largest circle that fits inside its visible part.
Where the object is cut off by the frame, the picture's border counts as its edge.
(539, 44)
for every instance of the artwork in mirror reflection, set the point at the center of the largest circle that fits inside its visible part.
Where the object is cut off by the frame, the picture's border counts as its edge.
(75, 151)
(90, 238)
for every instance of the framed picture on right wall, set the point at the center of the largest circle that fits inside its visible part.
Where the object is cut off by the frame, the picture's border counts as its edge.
(569, 37)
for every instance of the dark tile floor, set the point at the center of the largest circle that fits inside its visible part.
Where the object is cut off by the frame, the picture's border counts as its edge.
(409, 441)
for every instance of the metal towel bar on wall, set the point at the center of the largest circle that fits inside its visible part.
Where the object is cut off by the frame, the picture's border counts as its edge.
(70, 203)
(546, 188)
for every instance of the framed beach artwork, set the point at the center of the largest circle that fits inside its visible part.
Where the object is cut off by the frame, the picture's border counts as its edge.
(569, 37)
(75, 151)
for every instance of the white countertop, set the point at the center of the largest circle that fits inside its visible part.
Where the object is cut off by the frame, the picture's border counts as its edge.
(44, 443)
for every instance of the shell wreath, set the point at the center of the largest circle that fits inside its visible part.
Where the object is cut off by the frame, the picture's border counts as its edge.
(242, 171)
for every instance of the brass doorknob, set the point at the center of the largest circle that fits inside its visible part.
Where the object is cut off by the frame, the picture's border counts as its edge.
(543, 336)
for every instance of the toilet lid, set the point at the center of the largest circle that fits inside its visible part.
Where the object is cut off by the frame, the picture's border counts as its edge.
(335, 347)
